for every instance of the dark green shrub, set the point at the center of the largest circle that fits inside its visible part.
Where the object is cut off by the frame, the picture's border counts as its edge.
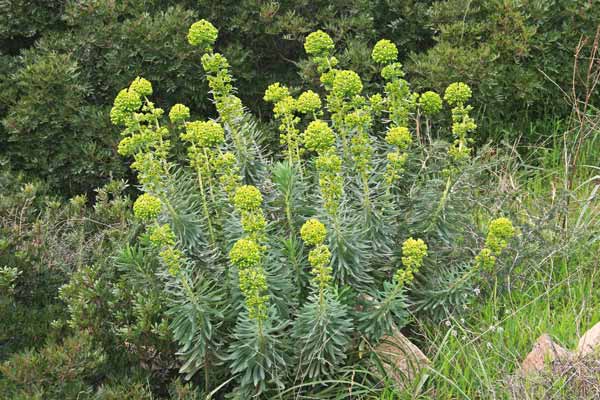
(513, 54)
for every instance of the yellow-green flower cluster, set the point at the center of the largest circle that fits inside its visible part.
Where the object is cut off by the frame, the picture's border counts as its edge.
(284, 109)
(172, 258)
(318, 136)
(227, 170)
(141, 86)
(457, 93)
(204, 133)
(400, 138)
(430, 103)
(162, 235)
(500, 231)
(413, 253)
(308, 102)
(329, 166)
(202, 34)
(147, 207)
(247, 253)
(318, 44)
(143, 137)
(179, 113)
(462, 123)
(384, 52)
(275, 93)
(347, 84)
(247, 198)
(314, 233)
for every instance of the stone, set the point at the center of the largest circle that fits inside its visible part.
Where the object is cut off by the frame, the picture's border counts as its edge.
(401, 359)
(544, 350)
(589, 342)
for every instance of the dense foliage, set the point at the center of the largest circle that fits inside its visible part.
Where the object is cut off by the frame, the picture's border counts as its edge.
(270, 270)
(291, 204)
(61, 61)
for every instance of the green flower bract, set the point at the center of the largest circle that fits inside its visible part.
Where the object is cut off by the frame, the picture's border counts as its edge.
(202, 34)
(313, 232)
(318, 43)
(347, 83)
(247, 198)
(384, 52)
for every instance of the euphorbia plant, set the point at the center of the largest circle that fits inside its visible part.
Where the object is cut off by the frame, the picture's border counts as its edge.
(278, 264)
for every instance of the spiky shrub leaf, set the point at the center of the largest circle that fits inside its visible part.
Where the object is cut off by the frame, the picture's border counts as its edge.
(322, 334)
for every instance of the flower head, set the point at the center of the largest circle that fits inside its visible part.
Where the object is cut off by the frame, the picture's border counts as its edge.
(313, 232)
(202, 34)
(399, 136)
(308, 102)
(276, 92)
(430, 102)
(204, 134)
(179, 113)
(318, 136)
(457, 93)
(147, 207)
(347, 83)
(141, 86)
(500, 232)
(245, 253)
(247, 198)
(126, 103)
(318, 43)
(413, 252)
(384, 52)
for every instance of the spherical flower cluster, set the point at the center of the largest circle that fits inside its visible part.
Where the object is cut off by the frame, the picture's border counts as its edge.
(179, 113)
(457, 93)
(384, 52)
(126, 103)
(500, 232)
(147, 207)
(202, 34)
(318, 136)
(431, 103)
(399, 136)
(308, 102)
(392, 71)
(347, 83)
(204, 134)
(245, 253)
(397, 160)
(276, 92)
(141, 86)
(162, 235)
(247, 198)
(318, 43)
(313, 232)
(413, 252)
